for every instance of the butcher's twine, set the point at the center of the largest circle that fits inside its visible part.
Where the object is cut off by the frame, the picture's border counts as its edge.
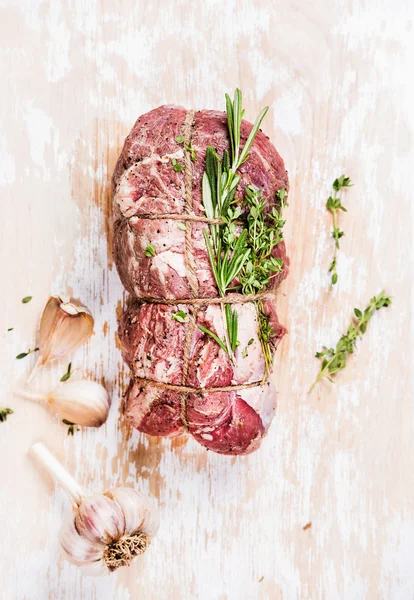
(195, 301)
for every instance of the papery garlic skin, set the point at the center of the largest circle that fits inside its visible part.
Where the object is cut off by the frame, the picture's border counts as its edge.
(109, 530)
(83, 402)
(65, 325)
(139, 512)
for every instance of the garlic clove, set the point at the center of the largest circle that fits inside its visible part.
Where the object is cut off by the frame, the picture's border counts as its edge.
(83, 402)
(100, 519)
(140, 514)
(64, 326)
(77, 548)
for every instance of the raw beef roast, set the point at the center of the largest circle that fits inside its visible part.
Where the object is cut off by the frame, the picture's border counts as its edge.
(154, 264)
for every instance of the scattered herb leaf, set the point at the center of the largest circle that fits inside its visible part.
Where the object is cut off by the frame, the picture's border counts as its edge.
(180, 139)
(24, 354)
(26, 299)
(181, 226)
(10, 329)
(191, 150)
(333, 204)
(68, 373)
(180, 316)
(149, 251)
(4, 413)
(177, 166)
(71, 427)
(334, 360)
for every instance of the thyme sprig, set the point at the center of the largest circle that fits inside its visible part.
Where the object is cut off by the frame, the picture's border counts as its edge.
(334, 360)
(4, 413)
(333, 204)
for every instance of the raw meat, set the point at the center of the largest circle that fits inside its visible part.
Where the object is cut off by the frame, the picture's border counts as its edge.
(153, 343)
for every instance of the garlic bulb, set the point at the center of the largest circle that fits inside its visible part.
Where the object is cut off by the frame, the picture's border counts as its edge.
(106, 531)
(83, 402)
(65, 325)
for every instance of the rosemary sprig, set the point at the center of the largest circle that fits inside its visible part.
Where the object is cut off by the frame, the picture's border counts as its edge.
(335, 360)
(333, 204)
(4, 413)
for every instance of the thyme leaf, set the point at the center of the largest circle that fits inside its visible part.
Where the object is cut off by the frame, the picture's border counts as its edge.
(177, 166)
(4, 413)
(68, 373)
(26, 299)
(334, 360)
(71, 427)
(24, 354)
(149, 251)
(180, 316)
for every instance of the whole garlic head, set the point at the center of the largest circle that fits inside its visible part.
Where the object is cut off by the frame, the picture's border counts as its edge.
(109, 530)
(105, 531)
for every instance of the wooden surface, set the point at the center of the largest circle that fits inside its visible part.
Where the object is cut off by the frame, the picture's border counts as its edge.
(338, 78)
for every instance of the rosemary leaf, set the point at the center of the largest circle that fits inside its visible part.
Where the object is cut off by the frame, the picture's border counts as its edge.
(214, 336)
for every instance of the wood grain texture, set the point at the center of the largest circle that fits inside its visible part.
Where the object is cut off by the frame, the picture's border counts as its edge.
(337, 76)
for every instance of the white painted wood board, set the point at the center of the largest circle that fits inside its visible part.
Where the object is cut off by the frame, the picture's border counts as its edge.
(338, 78)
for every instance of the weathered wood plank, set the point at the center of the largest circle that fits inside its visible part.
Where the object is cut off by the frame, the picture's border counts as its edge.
(75, 77)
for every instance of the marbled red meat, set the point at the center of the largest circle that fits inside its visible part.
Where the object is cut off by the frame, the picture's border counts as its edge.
(146, 184)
